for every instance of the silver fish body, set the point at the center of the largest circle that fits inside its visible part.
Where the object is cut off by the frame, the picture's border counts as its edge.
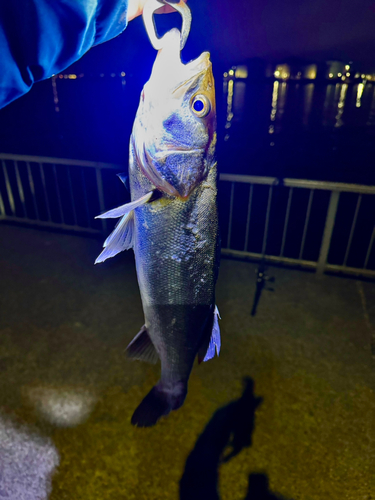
(174, 233)
(176, 250)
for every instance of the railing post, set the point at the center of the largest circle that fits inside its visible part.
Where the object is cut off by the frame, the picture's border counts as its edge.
(230, 215)
(328, 229)
(99, 184)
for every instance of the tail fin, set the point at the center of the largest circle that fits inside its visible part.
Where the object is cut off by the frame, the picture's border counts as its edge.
(160, 401)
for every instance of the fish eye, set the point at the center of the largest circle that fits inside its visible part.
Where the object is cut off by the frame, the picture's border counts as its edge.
(200, 105)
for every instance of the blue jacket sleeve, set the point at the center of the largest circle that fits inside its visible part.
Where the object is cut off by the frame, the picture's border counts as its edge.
(39, 38)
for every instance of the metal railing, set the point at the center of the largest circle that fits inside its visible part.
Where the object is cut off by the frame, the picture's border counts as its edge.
(53, 192)
(324, 233)
(280, 221)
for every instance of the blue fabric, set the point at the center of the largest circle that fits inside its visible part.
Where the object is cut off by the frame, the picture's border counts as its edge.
(39, 38)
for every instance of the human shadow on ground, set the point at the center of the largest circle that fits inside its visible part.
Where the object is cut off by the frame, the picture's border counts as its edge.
(228, 432)
(258, 489)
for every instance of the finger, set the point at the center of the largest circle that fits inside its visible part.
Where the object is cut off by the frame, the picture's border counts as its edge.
(166, 9)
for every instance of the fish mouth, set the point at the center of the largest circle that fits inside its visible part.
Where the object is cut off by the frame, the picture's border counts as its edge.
(169, 72)
(201, 63)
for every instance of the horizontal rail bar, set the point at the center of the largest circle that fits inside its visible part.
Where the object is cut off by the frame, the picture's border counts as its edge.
(269, 258)
(249, 179)
(34, 222)
(307, 264)
(350, 270)
(330, 186)
(60, 161)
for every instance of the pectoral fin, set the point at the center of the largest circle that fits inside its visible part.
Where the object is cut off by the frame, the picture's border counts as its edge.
(215, 340)
(124, 209)
(142, 348)
(121, 238)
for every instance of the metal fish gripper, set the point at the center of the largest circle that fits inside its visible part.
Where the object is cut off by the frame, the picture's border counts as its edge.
(149, 22)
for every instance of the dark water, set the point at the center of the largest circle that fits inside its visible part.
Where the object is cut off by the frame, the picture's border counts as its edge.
(301, 130)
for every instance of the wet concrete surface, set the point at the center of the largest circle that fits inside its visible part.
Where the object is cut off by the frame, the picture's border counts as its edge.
(67, 391)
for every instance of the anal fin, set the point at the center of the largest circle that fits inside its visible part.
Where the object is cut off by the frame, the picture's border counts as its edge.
(142, 348)
(214, 345)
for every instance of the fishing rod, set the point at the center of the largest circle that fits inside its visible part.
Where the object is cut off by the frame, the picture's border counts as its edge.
(262, 278)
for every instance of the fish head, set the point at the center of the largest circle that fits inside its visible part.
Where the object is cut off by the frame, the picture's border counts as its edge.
(175, 128)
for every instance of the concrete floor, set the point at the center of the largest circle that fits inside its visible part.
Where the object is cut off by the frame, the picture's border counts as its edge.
(67, 391)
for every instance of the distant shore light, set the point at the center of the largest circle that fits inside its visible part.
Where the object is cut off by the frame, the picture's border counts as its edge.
(241, 72)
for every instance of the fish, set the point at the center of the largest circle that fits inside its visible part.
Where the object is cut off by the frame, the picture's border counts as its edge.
(172, 224)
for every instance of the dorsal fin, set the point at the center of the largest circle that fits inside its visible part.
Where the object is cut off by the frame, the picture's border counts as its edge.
(124, 179)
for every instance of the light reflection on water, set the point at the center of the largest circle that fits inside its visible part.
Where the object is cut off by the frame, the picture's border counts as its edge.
(300, 129)
(307, 102)
(360, 89)
(341, 105)
(338, 99)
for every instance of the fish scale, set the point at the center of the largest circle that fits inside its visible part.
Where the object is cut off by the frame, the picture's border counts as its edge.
(175, 270)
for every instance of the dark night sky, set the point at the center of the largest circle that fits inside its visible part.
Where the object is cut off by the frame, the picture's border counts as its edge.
(234, 30)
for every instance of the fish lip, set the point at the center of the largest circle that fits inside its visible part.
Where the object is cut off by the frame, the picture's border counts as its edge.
(203, 60)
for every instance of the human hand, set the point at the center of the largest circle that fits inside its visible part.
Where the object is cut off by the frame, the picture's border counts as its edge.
(135, 8)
